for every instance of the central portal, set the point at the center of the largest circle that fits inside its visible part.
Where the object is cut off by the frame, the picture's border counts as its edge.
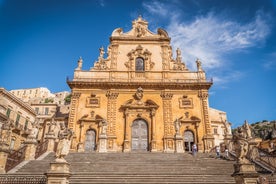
(139, 135)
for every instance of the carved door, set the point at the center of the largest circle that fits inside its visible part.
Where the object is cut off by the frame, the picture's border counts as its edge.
(139, 135)
(90, 138)
(188, 140)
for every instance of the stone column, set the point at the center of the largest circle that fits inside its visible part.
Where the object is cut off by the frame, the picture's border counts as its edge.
(153, 132)
(126, 140)
(168, 122)
(208, 138)
(111, 119)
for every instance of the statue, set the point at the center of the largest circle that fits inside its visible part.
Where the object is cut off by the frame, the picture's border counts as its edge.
(103, 126)
(198, 64)
(273, 133)
(64, 136)
(178, 55)
(101, 52)
(79, 64)
(241, 141)
(139, 93)
(177, 125)
(33, 133)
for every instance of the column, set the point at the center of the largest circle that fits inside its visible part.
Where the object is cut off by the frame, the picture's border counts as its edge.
(111, 119)
(72, 116)
(168, 122)
(208, 137)
(153, 132)
(126, 132)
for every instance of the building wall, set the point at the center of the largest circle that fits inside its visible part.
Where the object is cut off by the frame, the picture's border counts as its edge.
(19, 114)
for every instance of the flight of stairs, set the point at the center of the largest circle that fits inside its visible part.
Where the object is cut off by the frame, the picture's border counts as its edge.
(139, 168)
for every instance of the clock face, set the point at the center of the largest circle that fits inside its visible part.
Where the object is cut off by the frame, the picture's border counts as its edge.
(139, 65)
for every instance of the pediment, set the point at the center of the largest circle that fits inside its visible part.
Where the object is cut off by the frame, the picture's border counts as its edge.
(139, 30)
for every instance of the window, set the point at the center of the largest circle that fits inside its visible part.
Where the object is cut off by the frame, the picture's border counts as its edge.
(37, 110)
(8, 112)
(17, 120)
(46, 110)
(215, 131)
(26, 125)
(139, 64)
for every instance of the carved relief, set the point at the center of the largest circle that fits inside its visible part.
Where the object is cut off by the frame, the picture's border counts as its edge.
(101, 63)
(111, 111)
(93, 102)
(74, 100)
(185, 102)
(140, 27)
(177, 64)
(139, 52)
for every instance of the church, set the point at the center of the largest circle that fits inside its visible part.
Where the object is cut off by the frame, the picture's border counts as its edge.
(138, 97)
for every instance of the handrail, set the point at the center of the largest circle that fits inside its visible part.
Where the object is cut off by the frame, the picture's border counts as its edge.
(15, 158)
(41, 148)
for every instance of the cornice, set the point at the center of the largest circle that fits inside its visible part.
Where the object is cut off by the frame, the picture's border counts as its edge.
(17, 100)
(145, 85)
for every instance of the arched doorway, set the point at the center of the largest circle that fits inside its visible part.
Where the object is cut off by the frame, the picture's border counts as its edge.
(139, 135)
(90, 140)
(188, 140)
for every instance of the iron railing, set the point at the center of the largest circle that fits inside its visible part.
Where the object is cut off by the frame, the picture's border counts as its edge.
(15, 158)
(41, 148)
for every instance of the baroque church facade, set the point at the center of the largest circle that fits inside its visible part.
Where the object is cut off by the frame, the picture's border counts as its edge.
(137, 97)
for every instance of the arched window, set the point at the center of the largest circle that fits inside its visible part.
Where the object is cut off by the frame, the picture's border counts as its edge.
(139, 64)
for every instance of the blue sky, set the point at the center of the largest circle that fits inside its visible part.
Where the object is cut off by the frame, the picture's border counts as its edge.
(41, 41)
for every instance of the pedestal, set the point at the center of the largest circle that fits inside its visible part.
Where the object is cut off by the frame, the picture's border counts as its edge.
(126, 146)
(80, 147)
(169, 144)
(153, 146)
(179, 144)
(30, 149)
(102, 143)
(59, 173)
(245, 173)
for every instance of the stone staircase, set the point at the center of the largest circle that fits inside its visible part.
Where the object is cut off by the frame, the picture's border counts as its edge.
(139, 168)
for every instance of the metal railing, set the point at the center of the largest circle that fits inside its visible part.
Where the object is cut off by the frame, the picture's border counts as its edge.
(15, 158)
(23, 179)
(41, 148)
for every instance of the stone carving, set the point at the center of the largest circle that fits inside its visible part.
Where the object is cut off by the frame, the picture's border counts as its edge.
(142, 53)
(5, 133)
(139, 93)
(64, 136)
(33, 133)
(101, 63)
(103, 127)
(177, 125)
(241, 140)
(198, 65)
(273, 133)
(79, 64)
(140, 27)
(177, 63)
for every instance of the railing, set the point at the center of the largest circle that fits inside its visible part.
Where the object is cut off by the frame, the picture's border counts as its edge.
(261, 156)
(15, 158)
(23, 179)
(41, 148)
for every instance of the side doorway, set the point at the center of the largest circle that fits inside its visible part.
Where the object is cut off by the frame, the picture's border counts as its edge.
(90, 140)
(188, 140)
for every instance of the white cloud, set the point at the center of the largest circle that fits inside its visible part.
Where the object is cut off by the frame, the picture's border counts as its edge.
(209, 38)
(156, 8)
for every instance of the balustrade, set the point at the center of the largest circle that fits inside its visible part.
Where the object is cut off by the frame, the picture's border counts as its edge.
(14, 158)
(41, 148)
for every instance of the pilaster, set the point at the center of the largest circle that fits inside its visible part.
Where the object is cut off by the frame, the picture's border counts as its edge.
(168, 122)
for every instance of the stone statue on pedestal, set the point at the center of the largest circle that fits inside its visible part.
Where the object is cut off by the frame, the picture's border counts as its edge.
(64, 136)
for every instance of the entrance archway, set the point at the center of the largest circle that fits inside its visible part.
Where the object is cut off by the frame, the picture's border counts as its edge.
(188, 140)
(139, 135)
(90, 140)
